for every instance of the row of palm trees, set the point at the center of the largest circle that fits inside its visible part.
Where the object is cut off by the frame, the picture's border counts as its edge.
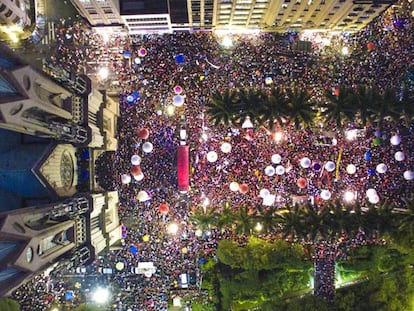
(311, 222)
(301, 108)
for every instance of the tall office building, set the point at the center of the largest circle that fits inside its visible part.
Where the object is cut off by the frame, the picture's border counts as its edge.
(99, 12)
(163, 16)
(52, 211)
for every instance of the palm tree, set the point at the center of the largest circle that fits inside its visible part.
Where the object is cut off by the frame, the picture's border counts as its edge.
(406, 107)
(225, 217)
(243, 220)
(248, 104)
(385, 222)
(406, 219)
(314, 222)
(291, 220)
(342, 218)
(366, 102)
(387, 108)
(299, 108)
(203, 220)
(274, 109)
(337, 108)
(267, 218)
(222, 107)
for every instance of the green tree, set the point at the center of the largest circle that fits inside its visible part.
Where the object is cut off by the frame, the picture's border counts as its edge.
(223, 107)
(366, 101)
(291, 220)
(267, 218)
(300, 110)
(337, 109)
(203, 219)
(89, 307)
(230, 254)
(404, 235)
(7, 304)
(225, 217)
(387, 107)
(249, 103)
(243, 220)
(273, 110)
(405, 106)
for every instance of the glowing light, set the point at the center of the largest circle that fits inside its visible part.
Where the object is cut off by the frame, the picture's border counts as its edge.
(103, 73)
(349, 196)
(172, 228)
(278, 136)
(225, 147)
(101, 295)
(258, 227)
(170, 110)
(227, 42)
(345, 50)
(351, 134)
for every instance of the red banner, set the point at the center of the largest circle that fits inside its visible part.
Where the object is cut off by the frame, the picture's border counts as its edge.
(183, 168)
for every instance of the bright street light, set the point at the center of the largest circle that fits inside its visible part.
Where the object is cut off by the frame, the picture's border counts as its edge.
(227, 42)
(103, 73)
(101, 295)
(172, 228)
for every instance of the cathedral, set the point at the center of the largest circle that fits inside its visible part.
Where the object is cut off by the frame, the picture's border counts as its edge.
(54, 124)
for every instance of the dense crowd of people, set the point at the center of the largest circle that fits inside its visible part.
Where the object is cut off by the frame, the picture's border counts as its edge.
(152, 65)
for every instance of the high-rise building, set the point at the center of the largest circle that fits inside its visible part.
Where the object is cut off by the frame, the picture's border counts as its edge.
(52, 211)
(146, 16)
(16, 12)
(99, 12)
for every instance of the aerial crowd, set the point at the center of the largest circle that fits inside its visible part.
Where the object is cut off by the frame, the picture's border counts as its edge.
(260, 165)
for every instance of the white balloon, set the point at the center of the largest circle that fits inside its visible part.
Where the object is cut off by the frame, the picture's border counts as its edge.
(225, 147)
(371, 192)
(212, 156)
(330, 166)
(305, 162)
(269, 170)
(395, 140)
(147, 147)
(125, 178)
(409, 175)
(373, 199)
(135, 159)
(178, 100)
(269, 200)
(399, 156)
(381, 168)
(264, 193)
(143, 196)
(325, 194)
(234, 186)
(276, 158)
(139, 177)
(351, 169)
(280, 170)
